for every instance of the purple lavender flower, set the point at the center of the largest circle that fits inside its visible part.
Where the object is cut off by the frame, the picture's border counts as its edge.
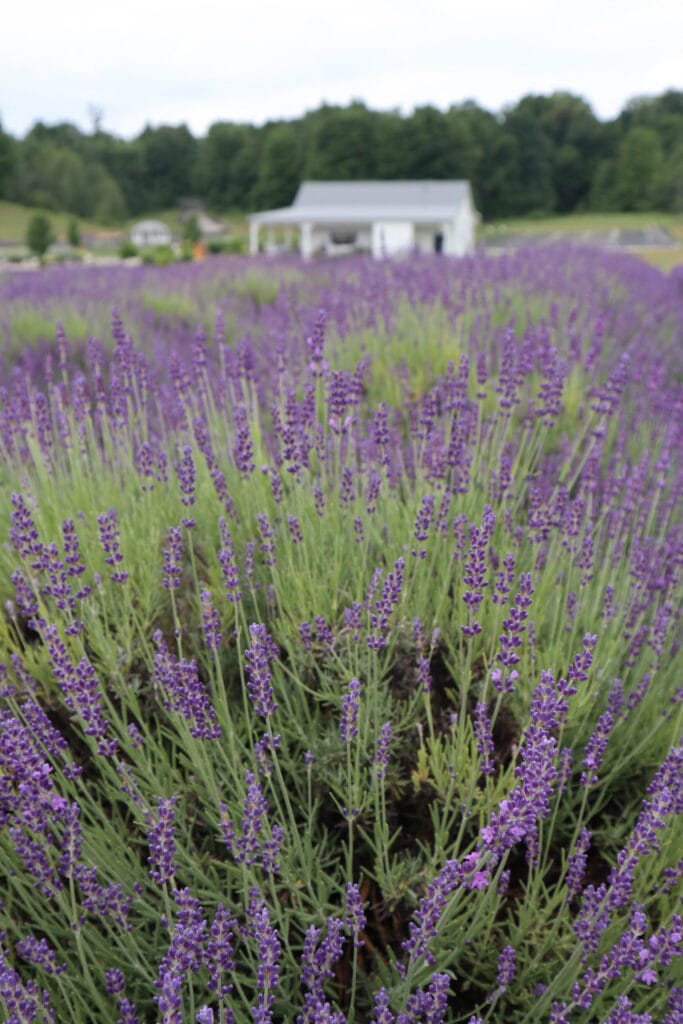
(269, 952)
(475, 569)
(262, 651)
(115, 983)
(347, 493)
(315, 344)
(483, 737)
(108, 523)
(305, 636)
(219, 952)
(172, 554)
(210, 623)
(383, 1014)
(434, 1002)
(144, 464)
(295, 530)
(317, 962)
(183, 691)
(187, 481)
(324, 634)
(228, 564)
(81, 689)
(160, 837)
(518, 814)
(39, 952)
(267, 539)
(385, 605)
(423, 522)
(576, 864)
(348, 724)
(383, 750)
(506, 968)
(248, 847)
(595, 749)
(184, 957)
(425, 921)
(23, 533)
(24, 998)
(243, 451)
(355, 919)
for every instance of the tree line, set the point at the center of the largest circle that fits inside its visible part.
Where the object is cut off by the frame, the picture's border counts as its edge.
(542, 155)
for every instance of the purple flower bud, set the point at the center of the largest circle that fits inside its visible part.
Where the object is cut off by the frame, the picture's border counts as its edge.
(108, 523)
(295, 530)
(348, 725)
(383, 750)
(506, 968)
(483, 737)
(267, 539)
(576, 864)
(161, 841)
(263, 650)
(172, 554)
(228, 564)
(383, 1014)
(38, 952)
(595, 749)
(355, 919)
(210, 623)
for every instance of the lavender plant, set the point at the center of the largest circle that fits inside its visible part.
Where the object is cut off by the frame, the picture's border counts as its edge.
(341, 651)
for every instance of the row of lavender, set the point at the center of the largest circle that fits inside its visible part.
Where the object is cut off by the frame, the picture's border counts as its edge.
(341, 675)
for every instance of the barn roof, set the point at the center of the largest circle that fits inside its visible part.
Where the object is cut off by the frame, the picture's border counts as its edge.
(363, 201)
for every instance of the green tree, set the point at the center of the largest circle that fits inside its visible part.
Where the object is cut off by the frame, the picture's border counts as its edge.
(7, 161)
(169, 158)
(73, 233)
(531, 182)
(576, 145)
(227, 166)
(392, 146)
(192, 233)
(39, 234)
(342, 144)
(428, 152)
(281, 167)
(640, 163)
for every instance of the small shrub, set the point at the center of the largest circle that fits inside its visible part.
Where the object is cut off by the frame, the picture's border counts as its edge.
(39, 234)
(127, 250)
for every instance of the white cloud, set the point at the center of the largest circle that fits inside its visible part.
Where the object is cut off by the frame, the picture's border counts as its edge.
(145, 61)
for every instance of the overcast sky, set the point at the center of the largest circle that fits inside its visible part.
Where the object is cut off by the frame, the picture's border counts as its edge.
(156, 62)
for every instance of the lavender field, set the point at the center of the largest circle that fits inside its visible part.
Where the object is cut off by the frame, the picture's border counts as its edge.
(340, 658)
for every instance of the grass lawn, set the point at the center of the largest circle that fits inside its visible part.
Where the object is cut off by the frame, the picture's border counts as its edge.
(577, 223)
(14, 221)
(581, 224)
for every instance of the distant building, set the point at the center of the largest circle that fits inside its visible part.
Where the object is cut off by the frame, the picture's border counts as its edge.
(381, 217)
(147, 234)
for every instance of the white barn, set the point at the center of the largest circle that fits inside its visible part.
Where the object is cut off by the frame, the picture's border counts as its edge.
(381, 217)
(148, 233)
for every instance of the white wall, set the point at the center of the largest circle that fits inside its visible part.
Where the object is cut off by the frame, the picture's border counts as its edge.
(392, 236)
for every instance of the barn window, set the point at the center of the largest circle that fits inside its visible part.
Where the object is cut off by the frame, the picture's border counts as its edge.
(343, 237)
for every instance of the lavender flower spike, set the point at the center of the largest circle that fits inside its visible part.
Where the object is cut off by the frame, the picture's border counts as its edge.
(262, 651)
(348, 725)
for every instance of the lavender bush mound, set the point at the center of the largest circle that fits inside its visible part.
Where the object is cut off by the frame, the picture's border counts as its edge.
(340, 662)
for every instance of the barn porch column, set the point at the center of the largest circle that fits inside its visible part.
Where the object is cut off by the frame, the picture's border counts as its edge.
(306, 240)
(253, 237)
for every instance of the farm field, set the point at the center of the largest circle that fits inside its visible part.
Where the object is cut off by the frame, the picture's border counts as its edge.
(655, 237)
(340, 662)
